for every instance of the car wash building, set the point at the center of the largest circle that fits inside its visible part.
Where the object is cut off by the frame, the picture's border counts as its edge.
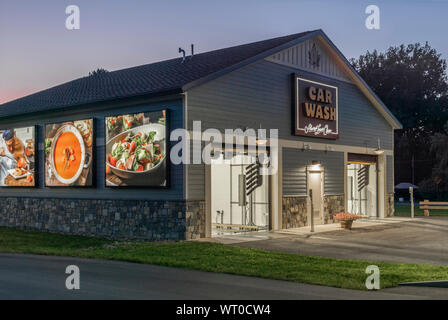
(334, 147)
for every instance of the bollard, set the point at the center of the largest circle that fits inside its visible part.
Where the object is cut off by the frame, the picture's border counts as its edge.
(312, 211)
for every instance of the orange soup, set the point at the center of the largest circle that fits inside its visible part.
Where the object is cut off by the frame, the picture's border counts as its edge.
(67, 155)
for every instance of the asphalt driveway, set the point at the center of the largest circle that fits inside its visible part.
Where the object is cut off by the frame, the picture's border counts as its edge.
(421, 241)
(43, 277)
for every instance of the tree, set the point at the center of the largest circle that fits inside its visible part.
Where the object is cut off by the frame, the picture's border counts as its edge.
(411, 80)
(97, 72)
(437, 180)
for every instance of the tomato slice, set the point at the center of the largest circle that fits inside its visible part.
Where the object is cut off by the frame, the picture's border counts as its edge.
(113, 161)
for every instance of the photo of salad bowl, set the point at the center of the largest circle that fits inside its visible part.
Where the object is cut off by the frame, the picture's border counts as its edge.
(138, 153)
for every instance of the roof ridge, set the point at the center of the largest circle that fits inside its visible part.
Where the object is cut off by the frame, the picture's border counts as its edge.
(146, 79)
(299, 34)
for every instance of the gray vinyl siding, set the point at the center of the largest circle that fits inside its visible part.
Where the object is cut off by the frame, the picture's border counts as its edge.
(294, 171)
(390, 174)
(195, 176)
(100, 191)
(196, 182)
(260, 93)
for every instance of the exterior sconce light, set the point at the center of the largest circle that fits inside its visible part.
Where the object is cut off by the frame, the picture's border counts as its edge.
(306, 147)
(262, 141)
(316, 166)
(378, 150)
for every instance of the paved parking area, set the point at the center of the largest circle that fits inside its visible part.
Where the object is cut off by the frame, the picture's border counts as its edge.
(423, 240)
(42, 277)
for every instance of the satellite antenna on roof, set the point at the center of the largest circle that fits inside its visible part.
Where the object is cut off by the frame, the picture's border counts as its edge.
(183, 54)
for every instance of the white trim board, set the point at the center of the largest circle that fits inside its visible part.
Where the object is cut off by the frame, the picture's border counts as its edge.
(321, 146)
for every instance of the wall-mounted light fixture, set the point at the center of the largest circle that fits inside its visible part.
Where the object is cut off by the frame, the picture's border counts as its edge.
(262, 141)
(306, 147)
(316, 166)
(378, 150)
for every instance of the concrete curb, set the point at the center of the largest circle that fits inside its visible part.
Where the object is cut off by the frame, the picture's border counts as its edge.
(432, 284)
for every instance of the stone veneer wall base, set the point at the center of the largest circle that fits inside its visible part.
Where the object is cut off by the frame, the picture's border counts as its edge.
(195, 220)
(333, 204)
(121, 219)
(295, 215)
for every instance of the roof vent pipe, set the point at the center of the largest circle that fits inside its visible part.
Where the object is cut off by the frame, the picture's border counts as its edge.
(183, 54)
(192, 50)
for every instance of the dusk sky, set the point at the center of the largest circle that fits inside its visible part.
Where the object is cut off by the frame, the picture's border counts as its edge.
(38, 52)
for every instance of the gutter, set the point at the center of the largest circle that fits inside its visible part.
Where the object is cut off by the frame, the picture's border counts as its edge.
(97, 104)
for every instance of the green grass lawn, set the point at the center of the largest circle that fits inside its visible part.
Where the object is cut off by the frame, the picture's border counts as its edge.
(405, 211)
(214, 257)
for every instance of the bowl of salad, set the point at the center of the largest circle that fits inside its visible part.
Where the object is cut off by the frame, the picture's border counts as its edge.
(137, 152)
(117, 124)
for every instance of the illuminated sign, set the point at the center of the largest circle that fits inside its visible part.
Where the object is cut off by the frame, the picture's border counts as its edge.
(315, 109)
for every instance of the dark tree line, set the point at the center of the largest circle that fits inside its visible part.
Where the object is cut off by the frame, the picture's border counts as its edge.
(411, 80)
(97, 72)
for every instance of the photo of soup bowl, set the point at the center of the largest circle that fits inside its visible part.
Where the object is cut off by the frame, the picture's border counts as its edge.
(68, 171)
(158, 138)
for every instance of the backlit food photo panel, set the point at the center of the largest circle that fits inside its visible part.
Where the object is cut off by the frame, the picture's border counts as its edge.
(136, 150)
(17, 157)
(69, 154)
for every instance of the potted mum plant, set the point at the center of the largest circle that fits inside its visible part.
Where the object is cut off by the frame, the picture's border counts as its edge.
(346, 219)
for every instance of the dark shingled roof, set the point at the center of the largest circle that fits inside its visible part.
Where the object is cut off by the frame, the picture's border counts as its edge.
(161, 77)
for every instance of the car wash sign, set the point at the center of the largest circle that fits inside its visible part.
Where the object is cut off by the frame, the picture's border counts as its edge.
(315, 109)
